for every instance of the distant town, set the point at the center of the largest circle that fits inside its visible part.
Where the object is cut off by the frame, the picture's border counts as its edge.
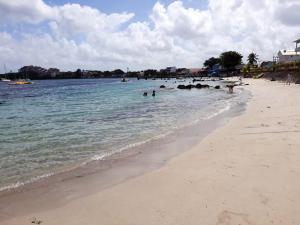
(227, 64)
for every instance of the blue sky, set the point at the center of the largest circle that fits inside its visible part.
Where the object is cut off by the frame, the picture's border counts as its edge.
(141, 8)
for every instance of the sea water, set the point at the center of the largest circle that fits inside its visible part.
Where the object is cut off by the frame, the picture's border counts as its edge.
(54, 124)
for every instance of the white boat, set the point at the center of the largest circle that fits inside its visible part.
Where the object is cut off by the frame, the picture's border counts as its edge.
(5, 80)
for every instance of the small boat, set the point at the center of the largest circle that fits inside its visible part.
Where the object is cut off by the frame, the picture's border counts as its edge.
(5, 80)
(21, 82)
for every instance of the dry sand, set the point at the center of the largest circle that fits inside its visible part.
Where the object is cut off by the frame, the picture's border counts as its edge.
(247, 172)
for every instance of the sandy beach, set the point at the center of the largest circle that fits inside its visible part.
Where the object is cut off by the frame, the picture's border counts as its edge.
(246, 172)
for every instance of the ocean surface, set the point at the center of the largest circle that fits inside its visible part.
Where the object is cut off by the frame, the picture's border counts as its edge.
(52, 125)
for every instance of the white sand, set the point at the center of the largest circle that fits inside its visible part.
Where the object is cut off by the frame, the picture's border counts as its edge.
(247, 172)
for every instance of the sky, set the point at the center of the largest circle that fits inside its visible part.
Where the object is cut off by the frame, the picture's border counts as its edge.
(106, 35)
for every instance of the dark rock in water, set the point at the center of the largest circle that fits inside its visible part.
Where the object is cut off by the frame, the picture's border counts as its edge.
(190, 86)
(217, 87)
(273, 79)
(200, 86)
(1, 103)
(181, 86)
(162, 86)
(153, 93)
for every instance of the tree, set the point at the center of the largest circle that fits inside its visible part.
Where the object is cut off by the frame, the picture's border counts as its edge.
(118, 72)
(252, 59)
(211, 62)
(230, 59)
(78, 73)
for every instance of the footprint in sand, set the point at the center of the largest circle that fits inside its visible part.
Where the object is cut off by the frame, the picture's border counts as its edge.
(35, 221)
(264, 125)
(229, 218)
(263, 199)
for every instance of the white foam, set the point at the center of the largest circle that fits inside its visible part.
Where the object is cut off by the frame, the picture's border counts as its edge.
(19, 184)
(129, 146)
(220, 111)
(105, 155)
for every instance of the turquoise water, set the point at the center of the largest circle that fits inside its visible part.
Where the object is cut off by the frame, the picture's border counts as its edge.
(51, 125)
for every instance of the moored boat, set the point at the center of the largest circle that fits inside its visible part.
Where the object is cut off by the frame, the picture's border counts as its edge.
(20, 82)
(5, 80)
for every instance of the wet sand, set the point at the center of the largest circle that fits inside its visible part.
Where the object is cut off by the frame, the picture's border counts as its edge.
(246, 172)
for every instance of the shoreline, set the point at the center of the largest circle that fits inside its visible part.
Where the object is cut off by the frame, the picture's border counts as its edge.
(118, 168)
(246, 172)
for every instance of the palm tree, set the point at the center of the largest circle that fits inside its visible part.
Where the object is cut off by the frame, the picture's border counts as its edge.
(252, 59)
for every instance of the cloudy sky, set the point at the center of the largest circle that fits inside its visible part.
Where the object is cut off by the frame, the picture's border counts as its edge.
(104, 35)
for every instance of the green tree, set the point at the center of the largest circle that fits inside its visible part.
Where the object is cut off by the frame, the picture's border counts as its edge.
(252, 59)
(230, 59)
(118, 72)
(211, 62)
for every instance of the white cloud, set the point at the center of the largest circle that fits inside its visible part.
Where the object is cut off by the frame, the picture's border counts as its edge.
(84, 37)
(31, 11)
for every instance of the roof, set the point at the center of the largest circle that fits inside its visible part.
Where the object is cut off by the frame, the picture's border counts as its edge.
(297, 41)
(289, 52)
(196, 70)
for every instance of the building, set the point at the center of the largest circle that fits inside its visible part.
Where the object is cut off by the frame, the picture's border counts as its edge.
(267, 64)
(182, 72)
(198, 71)
(290, 55)
(53, 72)
(215, 70)
(171, 69)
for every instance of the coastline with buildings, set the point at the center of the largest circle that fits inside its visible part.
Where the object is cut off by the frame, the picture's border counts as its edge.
(286, 60)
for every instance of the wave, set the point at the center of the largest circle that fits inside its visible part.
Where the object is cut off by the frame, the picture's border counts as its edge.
(19, 184)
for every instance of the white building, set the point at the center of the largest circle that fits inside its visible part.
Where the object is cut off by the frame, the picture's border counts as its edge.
(290, 55)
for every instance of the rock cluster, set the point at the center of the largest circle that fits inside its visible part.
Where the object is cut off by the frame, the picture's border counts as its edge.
(190, 86)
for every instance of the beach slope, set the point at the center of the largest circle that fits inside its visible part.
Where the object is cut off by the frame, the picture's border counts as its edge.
(247, 172)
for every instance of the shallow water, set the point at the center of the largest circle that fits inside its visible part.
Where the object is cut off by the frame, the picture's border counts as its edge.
(52, 125)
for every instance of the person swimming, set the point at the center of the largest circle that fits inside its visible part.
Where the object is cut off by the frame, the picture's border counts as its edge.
(145, 94)
(153, 93)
